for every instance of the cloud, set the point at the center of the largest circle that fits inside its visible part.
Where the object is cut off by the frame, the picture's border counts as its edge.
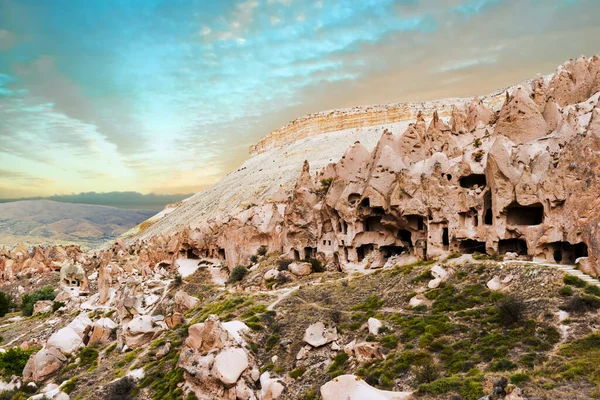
(7, 40)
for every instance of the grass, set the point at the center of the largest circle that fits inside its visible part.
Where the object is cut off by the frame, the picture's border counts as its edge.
(574, 281)
(338, 366)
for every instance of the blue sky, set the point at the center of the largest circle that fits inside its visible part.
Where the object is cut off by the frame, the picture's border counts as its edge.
(166, 96)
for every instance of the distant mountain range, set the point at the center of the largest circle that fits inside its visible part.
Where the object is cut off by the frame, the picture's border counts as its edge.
(51, 222)
(133, 200)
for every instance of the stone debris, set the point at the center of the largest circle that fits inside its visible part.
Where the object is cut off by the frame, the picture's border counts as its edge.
(351, 387)
(318, 335)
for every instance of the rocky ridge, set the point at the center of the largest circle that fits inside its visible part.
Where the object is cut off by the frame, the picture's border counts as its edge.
(453, 225)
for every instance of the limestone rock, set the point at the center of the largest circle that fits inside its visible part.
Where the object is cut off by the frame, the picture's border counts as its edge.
(42, 307)
(43, 365)
(67, 340)
(184, 302)
(142, 330)
(318, 335)
(351, 387)
(229, 365)
(300, 269)
(374, 325)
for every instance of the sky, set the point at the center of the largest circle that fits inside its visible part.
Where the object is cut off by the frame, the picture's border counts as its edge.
(165, 96)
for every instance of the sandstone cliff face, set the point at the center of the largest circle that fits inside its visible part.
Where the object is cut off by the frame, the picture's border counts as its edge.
(521, 180)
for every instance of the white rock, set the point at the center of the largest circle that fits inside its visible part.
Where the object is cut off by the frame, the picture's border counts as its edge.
(335, 346)
(416, 301)
(494, 284)
(271, 274)
(80, 324)
(271, 388)
(317, 335)
(303, 353)
(229, 365)
(300, 269)
(434, 283)
(351, 387)
(562, 315)
(374, 325)
(235, 329)
(136, 374)
(66, 340)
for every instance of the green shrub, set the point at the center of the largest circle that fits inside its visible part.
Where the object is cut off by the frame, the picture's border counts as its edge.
(566, 291)
(122, 389)
(262, 250)
(316, 265)
(519, 378)
(13, 361)
(57, 305)
(582, 304)
(88, 356)
(511, 310)
(502, 365)
(326, 182)
(238, 274)
(282, 265)
(5, 304)
(29, 300)
(69, 386)
(338, 365)
(297, 373)
(574, 281)
(593, 289)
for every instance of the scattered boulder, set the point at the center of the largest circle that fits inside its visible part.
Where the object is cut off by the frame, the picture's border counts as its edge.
(42, 307)
(300, 269)
(374, 325)
(44, 364)
(67, 340)
(317, 335)
(142, 330)
(229, 365)
(271, 388)
(184, 302)
(102, 331)
(351, 387)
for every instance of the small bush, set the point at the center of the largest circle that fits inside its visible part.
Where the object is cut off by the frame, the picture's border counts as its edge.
(69, 386)
(29, 300)
(338, 365)
(178, 280)
(57, 305)
(297, 373)
(427, 372)
(593, 289)
(502, 365)
(282, 265)
(566, 291)
(13, 361)
(88, 356)
(5, 304)
(326, 182)
(238, 274)
(316, 265)
(253, 259)
(582, 304)
(121, 389)
(262, 250)
(574, 281)
(511, 310)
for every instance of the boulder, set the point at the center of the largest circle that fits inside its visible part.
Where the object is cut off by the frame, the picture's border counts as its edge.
(42, 307)
(271, 388)
(102, 331)
(351, 387)
(207, 335)
(367, 351)
(184, 302)
(494, 284)
(229, 365)
(300, 269)
(374, 325)
(43, 365)
(174, 320)
(67, 340)
(317, 335)
(142, 330)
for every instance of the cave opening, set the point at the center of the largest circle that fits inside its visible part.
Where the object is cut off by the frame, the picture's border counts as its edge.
(517, 214)
(389, 251)
(353, 198)
(473, 181)
(470, 246)
(405, 236)
(567, 253)
(488, 216)
(363, 251)
(222, 254)
(518, 246)
(445, 238)
(191, 254)
(365, 202)
(373, 224)
(309, 252)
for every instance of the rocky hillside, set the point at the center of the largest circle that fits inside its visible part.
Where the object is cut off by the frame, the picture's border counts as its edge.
(449, 259)
(50, 222)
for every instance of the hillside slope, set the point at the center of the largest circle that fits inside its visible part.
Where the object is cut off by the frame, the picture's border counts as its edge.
(50, 222)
